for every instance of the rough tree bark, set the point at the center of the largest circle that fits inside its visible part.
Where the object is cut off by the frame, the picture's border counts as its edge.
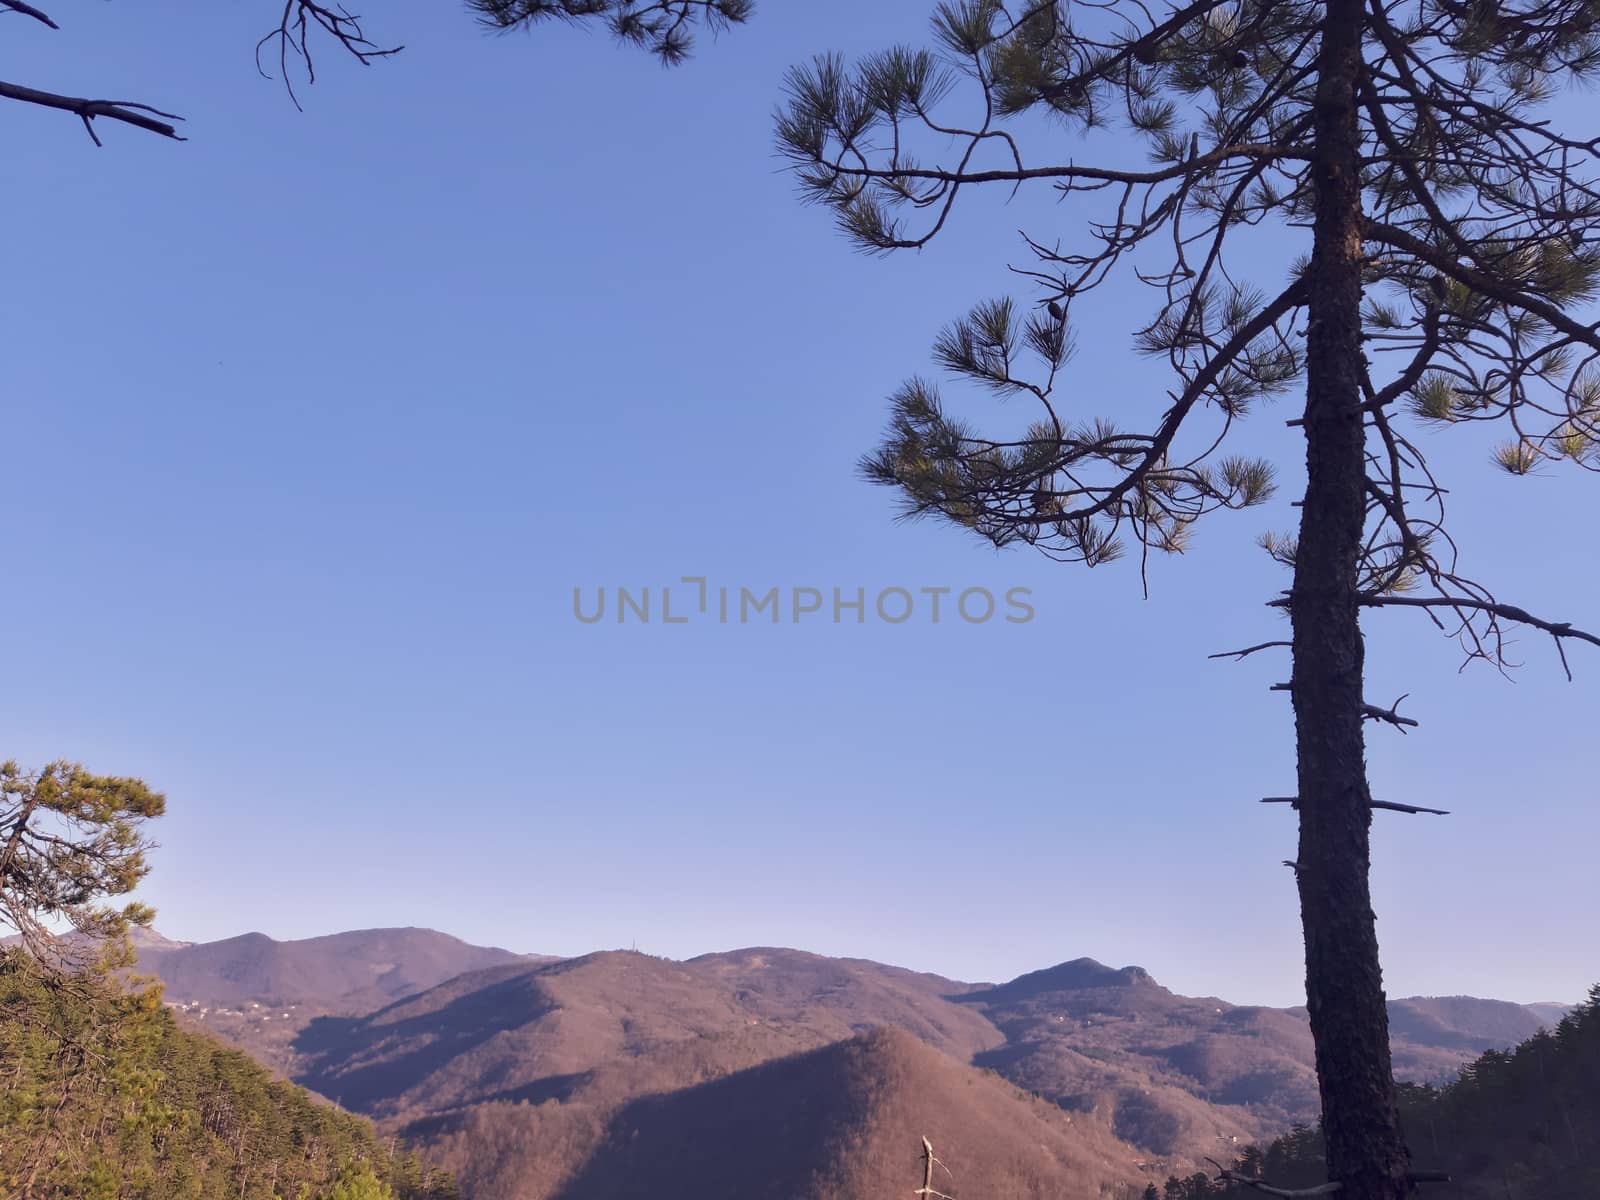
(1344, 983)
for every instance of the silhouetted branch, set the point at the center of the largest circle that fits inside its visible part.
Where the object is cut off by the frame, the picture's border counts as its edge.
(1558, 630)
(1389, 715)
(664, 27)
(1493, 286)
(1394, 806)
(1390, 805)
(299, 18)
(28, 10)
(1237, 655)
(129, 112)
(126, 111)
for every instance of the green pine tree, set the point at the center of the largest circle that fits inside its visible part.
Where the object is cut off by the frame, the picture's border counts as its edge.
(1434, 257)
(70, 843)
(358, 1182)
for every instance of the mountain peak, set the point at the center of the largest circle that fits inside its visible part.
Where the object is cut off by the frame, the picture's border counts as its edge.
(148, 939)
(355, 971)
(1076, 975)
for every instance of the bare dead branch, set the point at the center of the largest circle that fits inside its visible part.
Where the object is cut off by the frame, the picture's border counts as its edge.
(28, 10)
(1227, 1176)
(1558, 630)
(1390, 715)
(293, 38)
(1324, 1189)
(1238, 655)
(1390, 805)
(1394, 806)
(928, 1163)
(127, 111)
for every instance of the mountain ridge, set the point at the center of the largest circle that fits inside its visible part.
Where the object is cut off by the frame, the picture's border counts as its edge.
(140, 936)
(542, 1057)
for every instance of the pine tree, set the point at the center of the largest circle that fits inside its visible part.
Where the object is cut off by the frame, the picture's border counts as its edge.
(1523, 1123)
(103, 1096)
(70, 841)
(1426, 209)
(360, 1182)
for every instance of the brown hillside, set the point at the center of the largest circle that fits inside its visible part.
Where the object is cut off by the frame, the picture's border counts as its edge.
(352, 972)
(842, 996)
(1172, 1074)
(1464, 1023)
(843, 1122)
(258, 993)
(621, 1023)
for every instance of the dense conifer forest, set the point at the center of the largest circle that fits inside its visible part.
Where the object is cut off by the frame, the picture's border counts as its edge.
(1517, 1125)
(103, 1097)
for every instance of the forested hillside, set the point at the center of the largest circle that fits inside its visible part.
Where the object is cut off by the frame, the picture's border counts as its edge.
(103, 1097)
(1522, 1125)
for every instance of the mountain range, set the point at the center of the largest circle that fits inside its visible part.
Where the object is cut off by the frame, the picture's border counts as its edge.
(567, 1078)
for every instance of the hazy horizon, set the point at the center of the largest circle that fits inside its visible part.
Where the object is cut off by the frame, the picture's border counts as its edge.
(886, 959)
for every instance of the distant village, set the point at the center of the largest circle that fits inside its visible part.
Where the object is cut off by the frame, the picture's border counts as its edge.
(252, 1011)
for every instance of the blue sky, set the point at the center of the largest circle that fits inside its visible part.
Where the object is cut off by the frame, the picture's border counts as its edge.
(314, 422)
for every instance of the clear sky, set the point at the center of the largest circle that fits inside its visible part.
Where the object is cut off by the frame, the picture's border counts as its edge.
(314, 422)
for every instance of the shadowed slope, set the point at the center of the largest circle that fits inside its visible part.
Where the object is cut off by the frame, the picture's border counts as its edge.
(618, 1024)
(1180, 1077)
(843, 1122)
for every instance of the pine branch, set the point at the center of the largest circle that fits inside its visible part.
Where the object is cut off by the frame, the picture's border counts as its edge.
(1483, 283)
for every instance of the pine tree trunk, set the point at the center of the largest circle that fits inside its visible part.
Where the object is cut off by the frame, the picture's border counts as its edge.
(1344, 983)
